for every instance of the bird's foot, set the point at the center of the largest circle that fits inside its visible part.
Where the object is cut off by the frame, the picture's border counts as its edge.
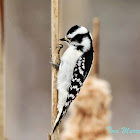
(60, 46)
(56, 66)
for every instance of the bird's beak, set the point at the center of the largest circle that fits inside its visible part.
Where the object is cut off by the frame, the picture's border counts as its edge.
(62, 39)
(65, 39)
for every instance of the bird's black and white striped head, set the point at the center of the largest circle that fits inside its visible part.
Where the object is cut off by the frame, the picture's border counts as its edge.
(79, 37)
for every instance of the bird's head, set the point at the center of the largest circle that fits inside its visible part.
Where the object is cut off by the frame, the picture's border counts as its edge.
(79, 37)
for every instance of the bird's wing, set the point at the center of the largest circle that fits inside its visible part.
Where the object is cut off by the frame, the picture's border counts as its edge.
(80, 73)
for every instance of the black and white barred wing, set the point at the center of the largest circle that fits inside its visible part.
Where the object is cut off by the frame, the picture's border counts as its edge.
(80, 73)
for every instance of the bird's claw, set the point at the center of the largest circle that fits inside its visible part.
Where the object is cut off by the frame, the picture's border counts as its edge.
(56, 66)
(60, 46)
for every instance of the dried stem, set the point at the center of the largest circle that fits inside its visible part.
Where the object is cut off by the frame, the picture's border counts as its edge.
(1, 74)
(55, 59)
(95, 34)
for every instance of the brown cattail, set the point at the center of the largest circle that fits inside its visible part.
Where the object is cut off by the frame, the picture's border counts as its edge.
(89, 113)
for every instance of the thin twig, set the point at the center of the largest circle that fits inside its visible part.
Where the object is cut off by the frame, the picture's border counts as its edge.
(1, 74)
(55, 59)
(95, 34)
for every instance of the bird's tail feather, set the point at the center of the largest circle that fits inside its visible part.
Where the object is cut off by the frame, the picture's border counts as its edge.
(57, 122)
(60, 116)
(62, 113)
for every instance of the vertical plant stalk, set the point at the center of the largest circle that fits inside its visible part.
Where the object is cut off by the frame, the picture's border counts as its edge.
(95, 35)
(55, 59)
(1, 74)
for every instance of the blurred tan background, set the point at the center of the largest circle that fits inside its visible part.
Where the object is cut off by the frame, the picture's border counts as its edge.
(27, 56)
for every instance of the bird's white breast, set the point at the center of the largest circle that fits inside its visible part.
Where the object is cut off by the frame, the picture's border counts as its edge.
(65, 73)
(68, 62)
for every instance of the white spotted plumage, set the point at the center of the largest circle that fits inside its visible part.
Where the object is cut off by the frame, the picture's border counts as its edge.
(74, 68)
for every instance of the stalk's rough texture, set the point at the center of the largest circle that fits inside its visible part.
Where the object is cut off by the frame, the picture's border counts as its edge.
(55, 59)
